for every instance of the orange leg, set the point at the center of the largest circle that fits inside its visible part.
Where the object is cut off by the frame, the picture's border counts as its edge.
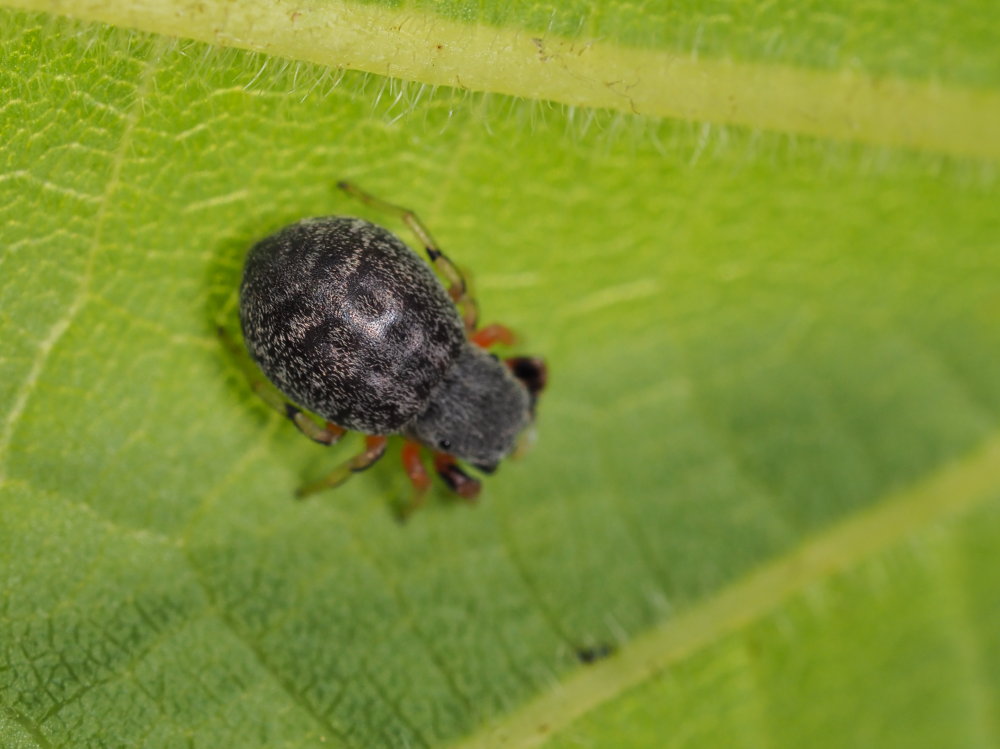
(414, 467)
(457, 480)
(417, 474)
(491, 334)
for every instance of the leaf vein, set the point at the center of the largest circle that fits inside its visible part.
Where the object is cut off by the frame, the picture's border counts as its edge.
(953, 490)
(58, 329)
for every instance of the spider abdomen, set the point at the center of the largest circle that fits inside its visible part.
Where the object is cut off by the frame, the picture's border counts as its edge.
(348, 322)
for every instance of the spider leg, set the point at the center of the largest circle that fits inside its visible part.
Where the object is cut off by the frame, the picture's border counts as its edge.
(532, 373)
(374, 449)
(457, 480)
(417, 474)
(491, 334)
(458, 289)
(325, 435)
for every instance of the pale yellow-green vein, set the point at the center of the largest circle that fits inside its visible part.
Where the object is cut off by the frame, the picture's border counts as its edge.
(951, 491)
(845, 105)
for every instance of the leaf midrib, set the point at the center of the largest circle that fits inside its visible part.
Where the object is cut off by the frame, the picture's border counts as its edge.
(429, 49)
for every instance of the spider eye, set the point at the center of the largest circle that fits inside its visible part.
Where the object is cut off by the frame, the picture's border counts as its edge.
(444, 444)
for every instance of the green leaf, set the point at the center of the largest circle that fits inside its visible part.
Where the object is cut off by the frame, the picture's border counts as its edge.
(758, 247)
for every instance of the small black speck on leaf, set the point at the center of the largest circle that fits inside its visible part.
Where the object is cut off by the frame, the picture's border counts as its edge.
(594, 653)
